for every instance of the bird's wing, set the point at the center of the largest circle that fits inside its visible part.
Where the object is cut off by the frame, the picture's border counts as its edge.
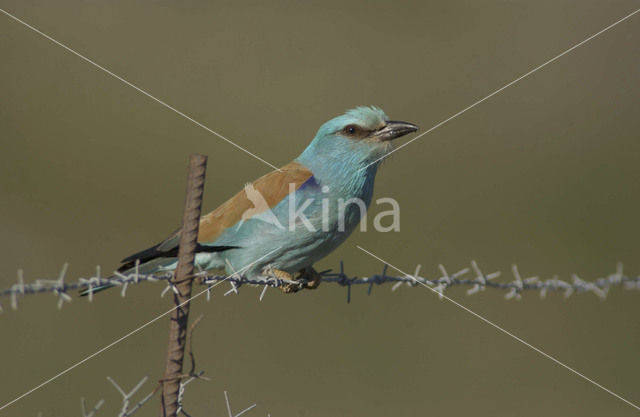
(273, 187)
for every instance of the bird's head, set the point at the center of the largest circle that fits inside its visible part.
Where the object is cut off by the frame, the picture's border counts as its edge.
(355, 139)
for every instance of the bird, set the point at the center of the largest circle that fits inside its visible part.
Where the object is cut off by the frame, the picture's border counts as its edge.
(285, 221)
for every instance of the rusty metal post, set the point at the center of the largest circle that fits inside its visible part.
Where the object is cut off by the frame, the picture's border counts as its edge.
(182, 281)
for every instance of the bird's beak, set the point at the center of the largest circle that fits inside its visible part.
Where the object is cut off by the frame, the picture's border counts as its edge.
(394, 129)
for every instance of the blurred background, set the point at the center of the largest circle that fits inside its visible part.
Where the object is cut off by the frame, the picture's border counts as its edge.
(545, 174)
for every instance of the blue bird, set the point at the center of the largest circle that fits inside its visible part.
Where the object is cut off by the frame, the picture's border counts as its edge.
(287, 220)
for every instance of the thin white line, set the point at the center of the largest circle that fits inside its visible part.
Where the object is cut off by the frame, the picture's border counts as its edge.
(502, 88)
(53, 378)
(503, 330)
(137, 88)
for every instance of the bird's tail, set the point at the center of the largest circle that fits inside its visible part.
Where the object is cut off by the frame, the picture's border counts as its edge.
(151, 260)
(148, 267)
(87, 291)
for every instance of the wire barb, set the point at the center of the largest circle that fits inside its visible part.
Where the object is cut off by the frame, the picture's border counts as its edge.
(126, 397)
(93, 411)
(226, 398)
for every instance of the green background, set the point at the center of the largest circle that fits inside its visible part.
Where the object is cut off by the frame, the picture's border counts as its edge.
(545, 174)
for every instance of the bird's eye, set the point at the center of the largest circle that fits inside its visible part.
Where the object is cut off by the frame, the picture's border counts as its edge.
(354, 131)
(351, 129)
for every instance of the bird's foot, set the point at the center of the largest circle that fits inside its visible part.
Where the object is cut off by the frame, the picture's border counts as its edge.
(289, 287)
(310, 276)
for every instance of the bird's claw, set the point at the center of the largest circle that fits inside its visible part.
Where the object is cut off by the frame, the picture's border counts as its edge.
(307, 278)
(313, 278)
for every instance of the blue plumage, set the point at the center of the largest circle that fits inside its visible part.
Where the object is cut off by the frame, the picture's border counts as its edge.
(302, 213)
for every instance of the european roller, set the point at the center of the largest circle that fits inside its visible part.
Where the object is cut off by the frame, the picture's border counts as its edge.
(288, 219)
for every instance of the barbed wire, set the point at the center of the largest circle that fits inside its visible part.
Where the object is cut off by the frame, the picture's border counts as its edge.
(126, 400)
(93, 411)
(126, 397)
(251, 407)
(471, 276)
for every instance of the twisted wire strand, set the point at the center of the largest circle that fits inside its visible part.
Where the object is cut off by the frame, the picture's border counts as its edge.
(471, 277)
